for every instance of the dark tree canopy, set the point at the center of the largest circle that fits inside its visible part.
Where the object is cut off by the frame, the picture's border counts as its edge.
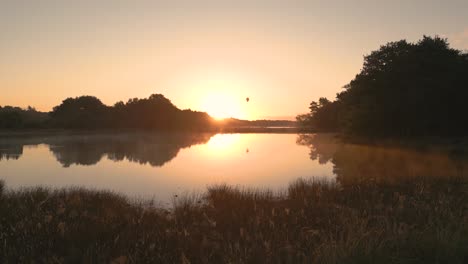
(15, 117)
(80, 112)
(154, 112)
(403, 90)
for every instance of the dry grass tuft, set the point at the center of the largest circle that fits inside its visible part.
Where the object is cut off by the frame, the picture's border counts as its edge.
(422, 220)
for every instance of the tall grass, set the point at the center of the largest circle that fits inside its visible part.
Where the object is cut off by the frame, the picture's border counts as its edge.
(419, 221)
(2, 187)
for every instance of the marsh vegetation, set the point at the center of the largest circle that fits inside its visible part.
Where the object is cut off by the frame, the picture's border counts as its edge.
(417, 220)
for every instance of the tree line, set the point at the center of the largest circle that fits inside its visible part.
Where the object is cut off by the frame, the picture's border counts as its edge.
(153, 113)
(403, 90)
(15, 117)
(88, 112)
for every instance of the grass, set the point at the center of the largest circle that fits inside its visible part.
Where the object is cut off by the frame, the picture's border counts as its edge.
(423, 220)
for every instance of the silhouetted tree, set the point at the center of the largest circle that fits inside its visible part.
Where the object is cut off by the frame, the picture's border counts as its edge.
(10, 119)
(15, 118)
(80, 112)
(304, 120)
(404, 89)
(155, 112)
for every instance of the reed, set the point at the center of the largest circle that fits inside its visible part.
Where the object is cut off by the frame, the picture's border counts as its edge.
(423, 220)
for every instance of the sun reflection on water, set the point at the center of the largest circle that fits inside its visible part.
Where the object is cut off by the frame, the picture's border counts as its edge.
(222, 144)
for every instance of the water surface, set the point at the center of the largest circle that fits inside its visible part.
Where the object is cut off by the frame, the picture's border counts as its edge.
(154, 165)
(158, 166)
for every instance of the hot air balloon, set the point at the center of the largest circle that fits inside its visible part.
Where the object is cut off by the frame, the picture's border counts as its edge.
(247, 99)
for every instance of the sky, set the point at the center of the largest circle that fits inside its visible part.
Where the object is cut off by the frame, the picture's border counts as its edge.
(205, 55)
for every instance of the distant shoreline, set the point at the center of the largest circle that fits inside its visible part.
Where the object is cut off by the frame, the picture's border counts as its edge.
(228, 130)
(415, 142)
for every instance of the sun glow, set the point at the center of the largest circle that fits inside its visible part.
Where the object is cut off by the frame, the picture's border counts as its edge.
(223, 95)
(222, 105)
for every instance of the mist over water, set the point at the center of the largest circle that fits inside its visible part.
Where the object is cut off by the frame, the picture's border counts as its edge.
(159, 166)
(155, 165)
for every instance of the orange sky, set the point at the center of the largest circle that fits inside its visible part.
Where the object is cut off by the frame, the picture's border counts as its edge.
(209, 56)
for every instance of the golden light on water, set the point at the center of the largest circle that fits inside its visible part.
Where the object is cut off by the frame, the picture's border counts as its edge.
(224, 147)
(221, 143)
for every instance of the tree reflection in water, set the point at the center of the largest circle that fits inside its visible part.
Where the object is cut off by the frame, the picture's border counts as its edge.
(10, 151)
(88, 149)
(355, 163)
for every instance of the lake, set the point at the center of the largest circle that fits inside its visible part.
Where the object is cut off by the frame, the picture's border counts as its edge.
(159, 166)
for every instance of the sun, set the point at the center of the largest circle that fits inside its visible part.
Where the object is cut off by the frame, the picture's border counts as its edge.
(222, 104)
(222, 93)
